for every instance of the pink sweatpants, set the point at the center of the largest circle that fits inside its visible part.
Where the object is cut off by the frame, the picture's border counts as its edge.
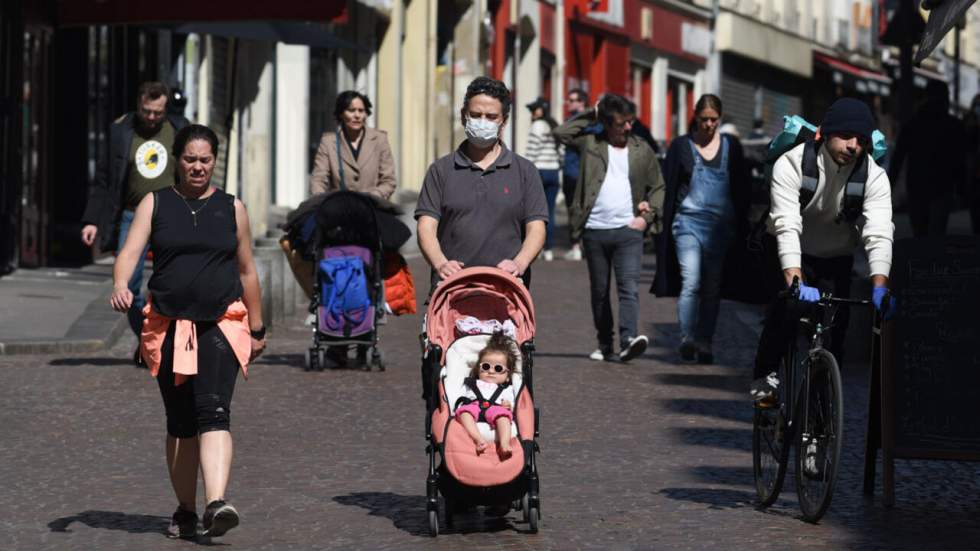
(493, 412)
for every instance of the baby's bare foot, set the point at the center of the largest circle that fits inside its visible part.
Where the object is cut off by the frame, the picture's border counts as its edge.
(481, 446)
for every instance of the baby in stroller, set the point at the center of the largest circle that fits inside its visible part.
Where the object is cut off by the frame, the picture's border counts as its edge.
(478, 359)
(489, 395)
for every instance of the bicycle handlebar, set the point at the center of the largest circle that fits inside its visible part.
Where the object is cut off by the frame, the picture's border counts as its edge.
(826, 299)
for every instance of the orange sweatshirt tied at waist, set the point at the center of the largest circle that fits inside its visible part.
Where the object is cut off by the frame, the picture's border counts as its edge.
(233, 324)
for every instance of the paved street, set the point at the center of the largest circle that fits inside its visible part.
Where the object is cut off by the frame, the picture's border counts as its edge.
(650, 455)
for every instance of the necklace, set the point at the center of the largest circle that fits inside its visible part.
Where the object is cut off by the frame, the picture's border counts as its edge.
(193, 212)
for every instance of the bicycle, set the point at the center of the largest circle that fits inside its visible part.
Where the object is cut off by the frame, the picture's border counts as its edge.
(808, 414)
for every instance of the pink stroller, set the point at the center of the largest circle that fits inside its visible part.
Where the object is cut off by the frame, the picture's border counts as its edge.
(464, 477)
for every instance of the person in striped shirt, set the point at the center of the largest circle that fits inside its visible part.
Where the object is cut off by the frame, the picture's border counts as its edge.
(545, 152)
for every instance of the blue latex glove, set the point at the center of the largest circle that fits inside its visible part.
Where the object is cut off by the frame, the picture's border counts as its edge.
(878, 294)
(809, 294)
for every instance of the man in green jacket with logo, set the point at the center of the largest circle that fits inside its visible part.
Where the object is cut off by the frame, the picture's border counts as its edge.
(619, 198)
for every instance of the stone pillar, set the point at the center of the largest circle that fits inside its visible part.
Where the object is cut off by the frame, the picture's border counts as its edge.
(292, 74)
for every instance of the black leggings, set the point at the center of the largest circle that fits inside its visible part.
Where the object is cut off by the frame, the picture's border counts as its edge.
(827, 274)
(203, 402)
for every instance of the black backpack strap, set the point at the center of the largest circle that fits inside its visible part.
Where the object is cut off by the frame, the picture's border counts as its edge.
(340, 164)
(810, 174)
(852, 203)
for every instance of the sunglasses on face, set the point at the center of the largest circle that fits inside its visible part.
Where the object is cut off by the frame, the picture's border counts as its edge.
(497, 368)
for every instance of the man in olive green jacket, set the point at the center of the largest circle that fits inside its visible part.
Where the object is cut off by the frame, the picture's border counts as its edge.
(619, 198)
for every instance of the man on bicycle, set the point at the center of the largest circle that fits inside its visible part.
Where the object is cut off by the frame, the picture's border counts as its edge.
(816, 240)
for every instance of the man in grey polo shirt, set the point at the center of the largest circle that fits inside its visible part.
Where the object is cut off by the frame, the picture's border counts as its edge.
(482, 205)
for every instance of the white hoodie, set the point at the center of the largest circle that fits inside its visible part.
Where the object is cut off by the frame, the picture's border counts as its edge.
(816, 232)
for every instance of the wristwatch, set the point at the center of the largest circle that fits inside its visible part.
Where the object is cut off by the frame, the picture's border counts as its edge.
(258, 334)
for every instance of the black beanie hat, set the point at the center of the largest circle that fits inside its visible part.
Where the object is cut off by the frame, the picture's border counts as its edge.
(848, 116)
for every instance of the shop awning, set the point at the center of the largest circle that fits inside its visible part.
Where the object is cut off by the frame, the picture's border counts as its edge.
(852, 76)
(109, 12)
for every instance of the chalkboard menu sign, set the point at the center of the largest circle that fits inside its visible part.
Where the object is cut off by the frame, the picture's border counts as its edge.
(925, 377)
(935, 374)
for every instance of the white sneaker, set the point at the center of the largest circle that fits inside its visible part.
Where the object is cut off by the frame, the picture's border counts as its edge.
(599, 356)
(310, 320)
(574, 253)
(763, 389)
(636, 347)
(548, 256)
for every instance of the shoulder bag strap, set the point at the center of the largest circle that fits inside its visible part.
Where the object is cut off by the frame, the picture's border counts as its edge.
(340, 164)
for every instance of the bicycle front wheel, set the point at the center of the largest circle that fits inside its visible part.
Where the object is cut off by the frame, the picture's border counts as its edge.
(819, 436)
(771, 438)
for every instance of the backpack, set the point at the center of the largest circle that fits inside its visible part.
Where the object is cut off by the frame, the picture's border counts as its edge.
(345, 302)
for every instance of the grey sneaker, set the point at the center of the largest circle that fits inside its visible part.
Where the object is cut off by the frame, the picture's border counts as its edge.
(636, 346)
(183, 524)
(219, 517)
(688, 351)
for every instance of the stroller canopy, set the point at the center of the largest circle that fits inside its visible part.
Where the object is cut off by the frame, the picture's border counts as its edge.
(483, 293)
(345, 218)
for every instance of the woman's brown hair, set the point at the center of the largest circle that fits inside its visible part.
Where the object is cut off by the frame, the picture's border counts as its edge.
(498, 343)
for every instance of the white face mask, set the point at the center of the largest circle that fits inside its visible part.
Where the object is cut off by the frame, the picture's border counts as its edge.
(482, 132)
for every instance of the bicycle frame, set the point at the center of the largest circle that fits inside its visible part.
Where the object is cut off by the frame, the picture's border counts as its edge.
(798, 377)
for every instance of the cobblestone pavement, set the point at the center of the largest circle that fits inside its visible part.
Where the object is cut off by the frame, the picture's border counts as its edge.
(650, 455)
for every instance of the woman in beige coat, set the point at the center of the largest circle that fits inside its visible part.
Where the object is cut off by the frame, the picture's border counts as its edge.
(365, 162)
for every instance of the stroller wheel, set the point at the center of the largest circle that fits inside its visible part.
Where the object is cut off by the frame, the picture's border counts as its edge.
(433, 523)
(376, 360)
(524, 508)
(533, 516)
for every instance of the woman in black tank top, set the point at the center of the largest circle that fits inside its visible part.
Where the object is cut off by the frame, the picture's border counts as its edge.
(203, 323)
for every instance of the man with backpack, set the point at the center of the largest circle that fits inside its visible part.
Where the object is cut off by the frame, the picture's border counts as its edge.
(827, 196)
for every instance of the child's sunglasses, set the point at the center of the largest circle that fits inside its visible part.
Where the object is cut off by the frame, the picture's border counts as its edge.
(496, 368)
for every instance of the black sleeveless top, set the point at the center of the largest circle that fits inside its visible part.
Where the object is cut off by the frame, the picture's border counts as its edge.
(195, 267)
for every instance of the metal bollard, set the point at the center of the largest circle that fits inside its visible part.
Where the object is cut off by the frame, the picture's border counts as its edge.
(273, 254)
(263, 267)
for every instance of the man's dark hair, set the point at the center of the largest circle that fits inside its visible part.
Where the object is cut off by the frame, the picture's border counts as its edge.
(152, 90)
(579, 93)
(345, 99)
(612, 104)
(489, 87)
(193, 132)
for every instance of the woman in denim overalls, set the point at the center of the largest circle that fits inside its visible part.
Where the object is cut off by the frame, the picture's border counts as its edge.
(703, 230)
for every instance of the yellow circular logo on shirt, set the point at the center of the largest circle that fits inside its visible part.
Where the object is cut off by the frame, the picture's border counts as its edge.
(151, 159)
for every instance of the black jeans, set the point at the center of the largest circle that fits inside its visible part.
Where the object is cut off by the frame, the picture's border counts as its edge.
(203, 402)
(619, 250)
(827, 274)
(568, 185)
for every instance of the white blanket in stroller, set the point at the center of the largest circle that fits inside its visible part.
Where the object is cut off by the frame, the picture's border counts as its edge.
(460, 358)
